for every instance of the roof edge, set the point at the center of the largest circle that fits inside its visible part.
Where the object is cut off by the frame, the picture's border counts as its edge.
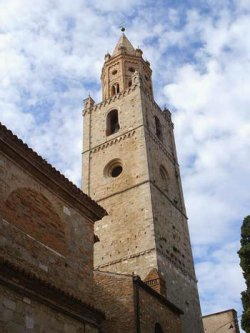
(220, 312)
(137, 280)
(14, 147)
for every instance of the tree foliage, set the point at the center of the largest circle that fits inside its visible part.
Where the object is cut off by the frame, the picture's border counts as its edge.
(244, 254)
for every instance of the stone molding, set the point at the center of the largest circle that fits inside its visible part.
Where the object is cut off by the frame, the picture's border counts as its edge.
(113, 141)
(27, 158)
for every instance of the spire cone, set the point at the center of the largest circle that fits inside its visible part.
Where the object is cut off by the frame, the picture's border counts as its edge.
(123, 44)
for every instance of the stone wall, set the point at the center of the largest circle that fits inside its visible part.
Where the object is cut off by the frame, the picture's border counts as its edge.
(126, 235)
(223, 322)
(21, 314)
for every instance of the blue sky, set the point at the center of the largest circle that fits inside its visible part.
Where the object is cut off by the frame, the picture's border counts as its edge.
(51, 57)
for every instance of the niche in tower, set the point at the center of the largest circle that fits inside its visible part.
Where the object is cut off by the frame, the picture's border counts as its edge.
(164, 178)
(112, 122)
(115, 89)
(158, 128)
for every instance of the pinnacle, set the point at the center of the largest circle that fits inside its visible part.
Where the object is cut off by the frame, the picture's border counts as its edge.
(124, 43)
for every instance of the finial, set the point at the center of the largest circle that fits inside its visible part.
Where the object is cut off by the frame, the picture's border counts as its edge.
(122, 29)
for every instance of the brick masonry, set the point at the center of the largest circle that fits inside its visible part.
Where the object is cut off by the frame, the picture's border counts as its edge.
(41, 236)
(131, 306)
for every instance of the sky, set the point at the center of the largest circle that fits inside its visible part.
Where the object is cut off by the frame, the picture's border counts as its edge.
(51, 54)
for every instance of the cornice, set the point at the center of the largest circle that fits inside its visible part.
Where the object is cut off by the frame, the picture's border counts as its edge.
(113, 141)
(24, 156)
(110, 100)
(125, 56)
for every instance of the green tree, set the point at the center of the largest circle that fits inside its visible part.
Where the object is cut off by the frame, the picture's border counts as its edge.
(244, 254)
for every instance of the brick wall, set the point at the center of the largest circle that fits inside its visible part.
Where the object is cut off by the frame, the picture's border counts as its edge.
(131, 306)
(40, 231)
(114, 294)
(152, 311)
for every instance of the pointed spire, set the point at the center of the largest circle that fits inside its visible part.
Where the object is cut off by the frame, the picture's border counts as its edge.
(124, 44)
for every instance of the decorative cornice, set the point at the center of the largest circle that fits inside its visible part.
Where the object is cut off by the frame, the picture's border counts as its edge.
(29, 285)
(113, 141)
(110, 100)
(24, 156)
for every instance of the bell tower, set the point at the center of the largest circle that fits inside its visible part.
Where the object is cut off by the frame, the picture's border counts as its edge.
(118, 69)
(130, 167)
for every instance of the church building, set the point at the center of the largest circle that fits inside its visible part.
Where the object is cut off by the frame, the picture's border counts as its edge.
(116, 256)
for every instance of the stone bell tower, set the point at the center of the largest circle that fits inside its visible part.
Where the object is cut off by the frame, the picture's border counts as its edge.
(130, 167)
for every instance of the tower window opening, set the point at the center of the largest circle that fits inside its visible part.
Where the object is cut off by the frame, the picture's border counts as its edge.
(116, 171)
(114, 72)
(158, 328)
(130, 83)
(131, 69)
(115, 89)
(112, 123)
(113, 168)
(158, 128)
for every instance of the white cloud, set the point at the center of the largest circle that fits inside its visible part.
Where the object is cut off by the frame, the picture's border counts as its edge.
(50, 53)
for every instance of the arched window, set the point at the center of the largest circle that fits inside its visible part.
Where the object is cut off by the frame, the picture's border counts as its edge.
(130, 83)
(158, 328)
(158, 128)
(115, 89)
(164, 178)
(112, 122)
